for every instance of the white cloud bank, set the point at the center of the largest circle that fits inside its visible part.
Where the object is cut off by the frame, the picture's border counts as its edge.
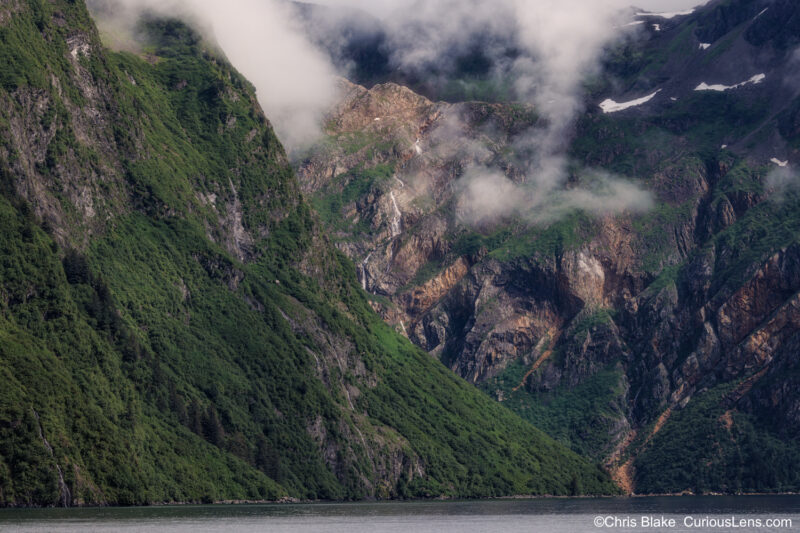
(295, 82)
(560, 42)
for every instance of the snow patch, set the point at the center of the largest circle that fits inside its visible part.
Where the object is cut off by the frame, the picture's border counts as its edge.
(758, 78)
(705, 46)
(634, 23)
(610, 106)
(779, 162)
(723, 146)
(673, 98)
(762, 12)
(377, 119)
(668, 15)
(657, 27)
(417, 147)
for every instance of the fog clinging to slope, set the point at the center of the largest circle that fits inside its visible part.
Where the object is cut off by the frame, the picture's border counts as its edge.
(383, 7)
(556, 43)
(295, 82)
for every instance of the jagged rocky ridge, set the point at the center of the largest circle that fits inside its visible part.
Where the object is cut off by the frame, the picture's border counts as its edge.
(663, 344)
(175, 326)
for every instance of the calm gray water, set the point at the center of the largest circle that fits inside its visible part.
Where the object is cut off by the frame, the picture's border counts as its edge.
(518, 516)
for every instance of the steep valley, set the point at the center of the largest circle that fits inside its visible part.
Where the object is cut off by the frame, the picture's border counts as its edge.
(175, 323)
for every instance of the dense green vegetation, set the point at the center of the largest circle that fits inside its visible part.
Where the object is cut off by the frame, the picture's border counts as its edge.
(547, 240)
(765, 228)
(710, 447)
(75, 375)
(582, 417)
(160, 357)
(695, 127)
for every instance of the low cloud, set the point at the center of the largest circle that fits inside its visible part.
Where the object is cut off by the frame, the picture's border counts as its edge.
(542, 50)
(603, 194)
(782, 180)
(487, 197)
(295, 82)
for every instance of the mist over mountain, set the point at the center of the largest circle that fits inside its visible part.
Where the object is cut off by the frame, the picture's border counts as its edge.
(262, 250)
(607, 245)
(175, 325)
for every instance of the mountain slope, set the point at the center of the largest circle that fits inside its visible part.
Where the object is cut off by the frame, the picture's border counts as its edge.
(639, 339)
(175, 325)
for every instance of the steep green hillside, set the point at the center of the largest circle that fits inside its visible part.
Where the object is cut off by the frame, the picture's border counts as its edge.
(174, 324)
(745, 455)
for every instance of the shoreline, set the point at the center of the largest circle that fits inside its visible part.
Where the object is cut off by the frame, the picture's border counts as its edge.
(296, 501)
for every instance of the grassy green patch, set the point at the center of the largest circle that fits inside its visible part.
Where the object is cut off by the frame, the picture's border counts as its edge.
(582, 417)
(347, 189)
(424, 274)
(552, 240)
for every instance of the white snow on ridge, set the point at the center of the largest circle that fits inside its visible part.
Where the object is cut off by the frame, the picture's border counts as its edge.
(657, 27)
(634, 23)
(762, 12)
(779, 162)
(758, 78)
(610, 106)
(668, 15)
(705, 46)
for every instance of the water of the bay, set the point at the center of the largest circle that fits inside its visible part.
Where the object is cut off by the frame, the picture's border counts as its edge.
(689, 513)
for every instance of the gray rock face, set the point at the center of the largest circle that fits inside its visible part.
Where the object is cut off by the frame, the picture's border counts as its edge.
(699, 292)
(673, 330)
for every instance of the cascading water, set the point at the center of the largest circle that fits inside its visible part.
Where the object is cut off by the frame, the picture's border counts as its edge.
(397, 218)
(362, 271)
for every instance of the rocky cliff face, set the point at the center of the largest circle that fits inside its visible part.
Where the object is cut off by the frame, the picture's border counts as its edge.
(610, 332)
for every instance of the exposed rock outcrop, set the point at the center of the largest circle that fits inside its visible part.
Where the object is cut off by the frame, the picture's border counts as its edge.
(650, 296)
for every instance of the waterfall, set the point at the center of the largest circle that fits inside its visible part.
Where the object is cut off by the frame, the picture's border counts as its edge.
(396, 220)
(362, 271)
